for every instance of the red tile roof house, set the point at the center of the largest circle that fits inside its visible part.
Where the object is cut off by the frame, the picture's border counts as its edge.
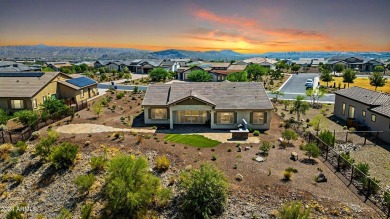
(220, 105)
(368, 108)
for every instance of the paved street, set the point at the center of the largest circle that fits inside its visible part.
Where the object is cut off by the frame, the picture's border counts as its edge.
(296, 86)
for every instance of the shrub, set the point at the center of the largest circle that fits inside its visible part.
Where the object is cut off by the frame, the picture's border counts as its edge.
(44, 147)
(345, 160)
(294, 210)
(135, 90)
(15, 213)
(289, 134)
(265, 147)
(287, 175)
(84, 182)
(5, 150)
(162, 163)
(3, 117)
(17, 178)
(363, 170)
(386, 198)
(64, 214)
(116, 135)
(27, 117)
(63, 155)
(256, 133)
(21, 147)
(86, 211)
(327, 137)
(229, 150)
(140, 138)
(98, 163)
(214, 157)
(371, 187)
(130, 175)
(312, 151)
(291, 170)
(200, 201)
(120, 95)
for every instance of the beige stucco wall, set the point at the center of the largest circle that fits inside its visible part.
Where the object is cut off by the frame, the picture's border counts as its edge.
(67, 92)
(48, 90)
(241, 114)
(4, 104)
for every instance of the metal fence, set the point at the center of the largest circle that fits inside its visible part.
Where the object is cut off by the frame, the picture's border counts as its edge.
(359, 138)
(365, 186)
(24, 134)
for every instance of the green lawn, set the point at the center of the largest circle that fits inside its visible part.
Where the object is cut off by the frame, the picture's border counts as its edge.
(192, 140)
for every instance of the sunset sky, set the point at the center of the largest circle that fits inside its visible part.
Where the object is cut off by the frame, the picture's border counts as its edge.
(246, 26)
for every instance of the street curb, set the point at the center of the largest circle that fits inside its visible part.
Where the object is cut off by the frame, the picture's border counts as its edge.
(285, 82)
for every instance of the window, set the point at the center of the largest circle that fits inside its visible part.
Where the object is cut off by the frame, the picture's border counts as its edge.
(82, 93)
(258, 117)
(44, 98)
(225, 118)
(17, 104)
(34, 103)
(158, 113)
(364, 113)
(373, 117)
(351, 112)
(343, 109)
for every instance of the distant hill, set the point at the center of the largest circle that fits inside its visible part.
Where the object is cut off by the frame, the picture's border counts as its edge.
(45, 52)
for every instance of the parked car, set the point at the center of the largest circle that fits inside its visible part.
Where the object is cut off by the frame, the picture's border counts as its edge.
(309, 81)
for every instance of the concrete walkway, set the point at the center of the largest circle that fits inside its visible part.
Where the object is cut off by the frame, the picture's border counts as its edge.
(86, 128)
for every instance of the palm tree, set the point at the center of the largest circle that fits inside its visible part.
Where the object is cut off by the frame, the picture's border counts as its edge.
(348, 76)
(277, 93)
(300, 106)
(377, 80)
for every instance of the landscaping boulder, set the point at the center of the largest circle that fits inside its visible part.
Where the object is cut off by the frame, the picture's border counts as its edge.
(239, 177)
(259, 159)
(87, 143)
(247, 148)
(321, 178)
(281, 139)
(294, 156)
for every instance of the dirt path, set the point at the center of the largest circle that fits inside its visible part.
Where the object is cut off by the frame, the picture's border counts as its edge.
(95, 128)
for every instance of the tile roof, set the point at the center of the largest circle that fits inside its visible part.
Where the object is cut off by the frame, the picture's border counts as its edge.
(237, 67)
(25, 86)
(365, 96)
(218, 64)
(383, 110)
(233, 95)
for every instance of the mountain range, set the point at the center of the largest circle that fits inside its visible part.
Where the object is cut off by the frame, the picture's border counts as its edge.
(44, 52)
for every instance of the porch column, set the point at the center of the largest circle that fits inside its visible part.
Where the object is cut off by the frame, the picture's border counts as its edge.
(170, 118)
(212, 119)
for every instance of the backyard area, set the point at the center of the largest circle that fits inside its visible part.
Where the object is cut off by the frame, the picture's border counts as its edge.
(257, 188)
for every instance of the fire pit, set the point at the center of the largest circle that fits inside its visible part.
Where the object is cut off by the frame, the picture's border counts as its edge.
(242, 132)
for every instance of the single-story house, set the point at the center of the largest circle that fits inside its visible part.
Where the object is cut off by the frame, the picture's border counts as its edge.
(358, 63)
(182, 72)
(364, 108)
(221, 75)
(7, 66)
(27, 90)
(57, 65)
(217, 105)
(265, 62)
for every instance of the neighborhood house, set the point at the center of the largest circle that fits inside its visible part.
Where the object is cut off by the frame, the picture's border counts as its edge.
(27, 90)
(364, 109)
(217, 105)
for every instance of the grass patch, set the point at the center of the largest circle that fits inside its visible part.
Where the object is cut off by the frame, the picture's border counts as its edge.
(361, 82)
(192, 140)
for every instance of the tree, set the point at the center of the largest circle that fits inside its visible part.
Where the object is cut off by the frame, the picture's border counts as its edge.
(47, 69)
(286, 104)
(128, 77)
(3, 117)
(97, 108)
(27, 117)
(277, 93)
(295, 68)
(276, 74)
(238, 77)
(199, 76)
(318, 123)
(338, 68)
(326, 75)
(300, 106)
(255, 71)
(377, 79)
(289, 135)
(205, 192)
(312, 151)
(315, 94)
(55, 107)
(294, 210)
(130, 188)
(379, 69)
(349, 76)
(158, 74)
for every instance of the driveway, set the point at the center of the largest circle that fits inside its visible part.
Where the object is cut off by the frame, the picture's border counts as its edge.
(296, 86)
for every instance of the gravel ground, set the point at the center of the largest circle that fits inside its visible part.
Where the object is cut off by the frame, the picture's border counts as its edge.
(96, 128)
